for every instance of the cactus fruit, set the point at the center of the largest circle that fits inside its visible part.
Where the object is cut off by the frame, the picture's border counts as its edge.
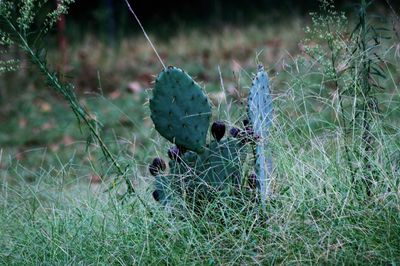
(158, 165)
(218, 130)
(174, 153)
(156, 195)
(162, 188)
(180, 110)
(260, 115)
(234, 132)
(248, 128)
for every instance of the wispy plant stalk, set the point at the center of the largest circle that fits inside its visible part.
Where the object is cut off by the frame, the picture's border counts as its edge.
(38, 58)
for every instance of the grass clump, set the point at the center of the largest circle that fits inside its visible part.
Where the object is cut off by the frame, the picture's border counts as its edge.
(315, 219)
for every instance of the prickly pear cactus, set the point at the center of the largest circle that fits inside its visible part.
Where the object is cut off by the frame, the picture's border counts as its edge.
(180, 110)
(260, 115)
(181, 113)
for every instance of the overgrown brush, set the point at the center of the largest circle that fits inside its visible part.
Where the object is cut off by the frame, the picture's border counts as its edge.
(352, 63)
(19, 28)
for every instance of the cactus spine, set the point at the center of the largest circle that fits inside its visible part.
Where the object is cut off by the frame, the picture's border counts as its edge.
(260, 115)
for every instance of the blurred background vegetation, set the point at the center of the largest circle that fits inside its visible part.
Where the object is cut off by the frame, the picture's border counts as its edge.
(111, 21)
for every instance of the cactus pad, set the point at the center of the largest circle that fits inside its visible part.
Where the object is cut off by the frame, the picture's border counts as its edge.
(180, 109)
(260, 104)
(217, 168)
(260, 114)
(220, 164)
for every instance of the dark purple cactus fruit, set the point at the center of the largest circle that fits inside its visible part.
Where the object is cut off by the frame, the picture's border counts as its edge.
(253, 181)
(234, 132)
(256, 138)
(156, 195)
(248, 127)
(218, 130)
(249, 130)
(153, 171)
(174, 153)
(240, 134)
(247, 135)
(158, 165)
(244, 139)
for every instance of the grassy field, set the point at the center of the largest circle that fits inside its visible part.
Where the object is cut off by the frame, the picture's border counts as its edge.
(53, 206)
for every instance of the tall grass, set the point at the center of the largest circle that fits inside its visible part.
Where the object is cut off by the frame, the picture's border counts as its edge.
(17, 29)
(315, 218)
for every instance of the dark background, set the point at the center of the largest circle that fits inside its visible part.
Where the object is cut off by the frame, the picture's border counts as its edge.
(111, 17)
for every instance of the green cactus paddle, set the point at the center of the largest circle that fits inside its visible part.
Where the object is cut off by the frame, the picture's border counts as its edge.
(180, 110)
(260, 115)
